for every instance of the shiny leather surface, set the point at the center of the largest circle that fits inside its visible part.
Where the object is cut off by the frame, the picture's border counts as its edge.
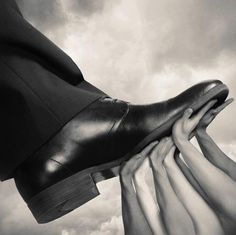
(103, 132)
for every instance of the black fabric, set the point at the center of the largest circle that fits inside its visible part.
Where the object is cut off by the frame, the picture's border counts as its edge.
(41, 89)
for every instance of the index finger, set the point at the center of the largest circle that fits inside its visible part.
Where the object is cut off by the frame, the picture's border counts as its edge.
(203, 110)
(134, 162)
(223, 106)
(148, 148)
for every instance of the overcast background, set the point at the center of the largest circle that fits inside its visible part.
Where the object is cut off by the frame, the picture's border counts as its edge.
(140, 51)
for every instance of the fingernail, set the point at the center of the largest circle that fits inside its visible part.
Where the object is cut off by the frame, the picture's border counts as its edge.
(189, 110)
(213, 102)
(166, 139)
(139, 156)
(155, 142)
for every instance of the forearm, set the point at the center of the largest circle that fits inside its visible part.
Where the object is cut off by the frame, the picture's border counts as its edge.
(149, 207)
(204, 219)
(133, 218)
(214, 154)
(200, 167)
(210, 178)
(189, 176)
(164, 192)
(171, 209)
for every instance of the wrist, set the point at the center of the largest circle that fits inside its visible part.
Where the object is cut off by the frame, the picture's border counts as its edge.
(181, 143)
(201, 131)
(159, 171)
(127, 187)
(126, 180)
(180, 137)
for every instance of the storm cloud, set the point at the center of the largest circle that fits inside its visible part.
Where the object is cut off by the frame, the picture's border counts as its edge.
(135, 50)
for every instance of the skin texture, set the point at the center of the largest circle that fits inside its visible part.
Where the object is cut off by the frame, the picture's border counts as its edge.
(211, 151)
(138, 205)
(209, 148)
(179, 183)
(135, 222)
(175, 217)
(204, 219)
(206, 174)
(146, 200)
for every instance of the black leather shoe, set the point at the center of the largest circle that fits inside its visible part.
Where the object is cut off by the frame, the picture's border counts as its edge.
(62, 175)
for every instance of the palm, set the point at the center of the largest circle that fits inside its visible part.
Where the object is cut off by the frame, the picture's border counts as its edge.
(185, 125)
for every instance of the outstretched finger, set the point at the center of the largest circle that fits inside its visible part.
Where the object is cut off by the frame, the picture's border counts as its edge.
(187, 113)
(148, 148)
(130, 166)
(159, 152)
(139, 157)
(223, 106)
(196, 118)
(170, 155)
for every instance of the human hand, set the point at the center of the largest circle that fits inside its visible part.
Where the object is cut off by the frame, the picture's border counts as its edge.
(159, 153)
(211, 114)
(183, 127)
(141, 172)
(174, 216)
(146, 197)
(134, 219)
(128, 168)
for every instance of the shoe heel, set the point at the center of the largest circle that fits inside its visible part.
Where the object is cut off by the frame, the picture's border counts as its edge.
(63, 197)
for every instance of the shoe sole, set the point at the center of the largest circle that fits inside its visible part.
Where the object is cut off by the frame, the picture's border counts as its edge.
(72, 192)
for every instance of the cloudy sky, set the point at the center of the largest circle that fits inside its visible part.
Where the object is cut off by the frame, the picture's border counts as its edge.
(140, 51)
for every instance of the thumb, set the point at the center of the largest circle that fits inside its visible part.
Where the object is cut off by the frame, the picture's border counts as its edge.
(187, 113)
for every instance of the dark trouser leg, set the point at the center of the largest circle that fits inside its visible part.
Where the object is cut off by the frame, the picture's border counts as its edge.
(41, 88)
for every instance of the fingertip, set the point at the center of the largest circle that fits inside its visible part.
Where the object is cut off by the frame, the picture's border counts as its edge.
(212, 102)
(163, 140)
(155, 142)
(139, 155)
(166, 139)
(149, 147)
(173, 148)
(188, 111)
(230, 100)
